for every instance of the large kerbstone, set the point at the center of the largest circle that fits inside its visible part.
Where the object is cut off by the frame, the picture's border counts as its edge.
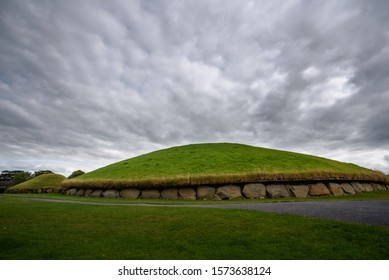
(378, 187)
(96, 193)
(277, 191)
(71, 191)
(254, 191)
(299, 191)
(131, 193)
(151, 194)
(368, 187)
(80, 192)
(229, 192)
(374, 186)
(358, 187)
(169, 194)
(206, 193)
(347, 188)
(335, 189)
(111, 194)
(318, 189)
(88, 192)
(187, 193)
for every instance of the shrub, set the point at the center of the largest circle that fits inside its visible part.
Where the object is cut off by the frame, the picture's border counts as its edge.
(76, 174)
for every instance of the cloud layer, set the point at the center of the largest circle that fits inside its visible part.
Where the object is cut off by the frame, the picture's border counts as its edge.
(86, 83)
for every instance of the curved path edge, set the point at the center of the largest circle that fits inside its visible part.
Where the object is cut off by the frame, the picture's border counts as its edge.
(374, 212)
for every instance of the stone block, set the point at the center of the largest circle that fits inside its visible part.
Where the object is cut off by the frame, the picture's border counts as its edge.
(111, 194)
(374, 186)
(368, 187)
(318, 189)
(229, 192)
(71, 191)
(169, 194)
(150, 193)
(299, 191)
(335, 189)
(378, 187)
(187, 193)
(254, 191)
(206, 193)
(80, 192)
(277, 191)
(88, 192)
(358, 187)
(347, 188)
(96, 193)
(130, 193)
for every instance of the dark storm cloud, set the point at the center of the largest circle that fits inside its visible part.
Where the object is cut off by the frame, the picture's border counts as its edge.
(90, 82)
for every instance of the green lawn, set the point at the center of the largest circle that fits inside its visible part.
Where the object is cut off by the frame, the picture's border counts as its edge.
(45, 230)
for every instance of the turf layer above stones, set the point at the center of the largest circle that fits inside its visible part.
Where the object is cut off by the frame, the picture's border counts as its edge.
(219, 163)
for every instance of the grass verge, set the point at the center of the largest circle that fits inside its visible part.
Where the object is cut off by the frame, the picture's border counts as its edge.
(42, 230)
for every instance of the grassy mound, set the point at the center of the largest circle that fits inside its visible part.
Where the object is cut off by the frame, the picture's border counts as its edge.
(45, 181)
(219, 163)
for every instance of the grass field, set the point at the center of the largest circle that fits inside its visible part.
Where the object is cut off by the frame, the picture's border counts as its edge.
(44, 230)
(40, 182)
(219, 163)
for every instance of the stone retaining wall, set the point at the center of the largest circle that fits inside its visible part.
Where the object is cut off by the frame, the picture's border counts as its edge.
(244, 191)
(46, 190)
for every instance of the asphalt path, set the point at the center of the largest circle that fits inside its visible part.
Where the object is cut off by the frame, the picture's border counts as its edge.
(374, 212)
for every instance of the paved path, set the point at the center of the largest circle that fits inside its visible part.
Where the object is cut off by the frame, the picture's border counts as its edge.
(375, 212)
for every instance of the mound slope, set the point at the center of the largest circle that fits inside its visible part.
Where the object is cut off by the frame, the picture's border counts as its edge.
(45, 181)
(219, 163)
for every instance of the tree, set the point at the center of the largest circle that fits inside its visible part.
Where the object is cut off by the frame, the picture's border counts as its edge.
(21, 177)
(41, 172)
(76, 174)
(15, 177)
(7, 175)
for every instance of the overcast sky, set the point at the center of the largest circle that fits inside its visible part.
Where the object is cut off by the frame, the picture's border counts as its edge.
(87, 83)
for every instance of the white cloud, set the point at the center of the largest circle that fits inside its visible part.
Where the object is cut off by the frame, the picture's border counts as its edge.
(334, 88)
(310, 72)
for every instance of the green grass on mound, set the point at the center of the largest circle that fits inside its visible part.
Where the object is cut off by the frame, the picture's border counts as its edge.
(220, 163)
(44, 181)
